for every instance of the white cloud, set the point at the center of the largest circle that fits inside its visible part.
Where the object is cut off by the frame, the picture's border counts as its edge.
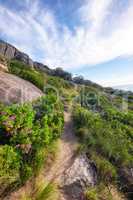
(118, 80)
(35, 29)
(95, 12)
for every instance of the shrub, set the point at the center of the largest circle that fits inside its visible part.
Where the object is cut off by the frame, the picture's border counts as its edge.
(29, 130)
(17, 122)
(25, 72)
(9, 164)
(91, 194)
(47, 192)
(106, 171)
(26, 172)
(104, 136)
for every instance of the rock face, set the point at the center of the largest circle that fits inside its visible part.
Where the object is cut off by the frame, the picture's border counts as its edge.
(42, 67)
(78, 177)
(24, 58)
(16, 90)
(10, 52)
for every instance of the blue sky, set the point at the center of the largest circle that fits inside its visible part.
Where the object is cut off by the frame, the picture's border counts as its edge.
(93, 38)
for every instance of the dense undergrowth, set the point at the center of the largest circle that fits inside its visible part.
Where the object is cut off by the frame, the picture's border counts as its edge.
(24, 71)
(103, 125)
(106, 134)
(42, 80)
(26, 131)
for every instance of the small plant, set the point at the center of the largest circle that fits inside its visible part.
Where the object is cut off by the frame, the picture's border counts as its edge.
(48, 192)
(9, 164)
(91, 194)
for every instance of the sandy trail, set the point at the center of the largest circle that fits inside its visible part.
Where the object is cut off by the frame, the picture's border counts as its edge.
(66, 156)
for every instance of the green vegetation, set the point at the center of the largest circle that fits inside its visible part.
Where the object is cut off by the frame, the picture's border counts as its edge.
(91, 194)
(26, 72)
(47, 192)
(102, 192)
(46, 83)
(105, 133)
(43, 192)
(9, 164)
(27, 131)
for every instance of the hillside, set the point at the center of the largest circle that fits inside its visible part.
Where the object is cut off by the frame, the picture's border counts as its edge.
(69, 138)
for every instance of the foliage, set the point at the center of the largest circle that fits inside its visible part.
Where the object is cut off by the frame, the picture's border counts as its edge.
(106, 171)
(26, 72)
(107, 140)
(9, 164)
(47, 192)
(102, 192)
(28, 130)
(91, 194)
(63, 74)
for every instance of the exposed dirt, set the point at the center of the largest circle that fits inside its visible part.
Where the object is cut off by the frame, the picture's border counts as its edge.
(66, 157)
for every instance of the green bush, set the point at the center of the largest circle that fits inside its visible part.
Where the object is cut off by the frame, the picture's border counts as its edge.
(104, 136)
(47, 193)
(28, 130)
(9, 164)
(27, 73)
(107, 137)
(107, 173)
(26, 172)
(91, 194)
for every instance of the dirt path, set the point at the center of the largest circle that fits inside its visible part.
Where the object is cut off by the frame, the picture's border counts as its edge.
(65, 158)
(67, 152)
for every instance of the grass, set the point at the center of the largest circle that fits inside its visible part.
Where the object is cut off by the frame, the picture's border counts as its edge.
(48, 192)
(102, 192)
(26, 72)
(42, 191)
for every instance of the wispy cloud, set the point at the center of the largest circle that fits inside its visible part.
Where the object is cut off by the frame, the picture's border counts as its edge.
(37, 31)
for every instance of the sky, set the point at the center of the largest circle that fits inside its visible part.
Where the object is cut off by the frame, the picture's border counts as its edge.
(93, 38)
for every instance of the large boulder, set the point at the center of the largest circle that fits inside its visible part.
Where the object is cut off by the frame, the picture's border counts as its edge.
(78, 177)
(16, 90)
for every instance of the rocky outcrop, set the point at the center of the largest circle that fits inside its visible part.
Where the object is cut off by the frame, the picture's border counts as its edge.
(16, 90)
(10, 52)
(78, 177)
(42, 67)
(24, 58)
